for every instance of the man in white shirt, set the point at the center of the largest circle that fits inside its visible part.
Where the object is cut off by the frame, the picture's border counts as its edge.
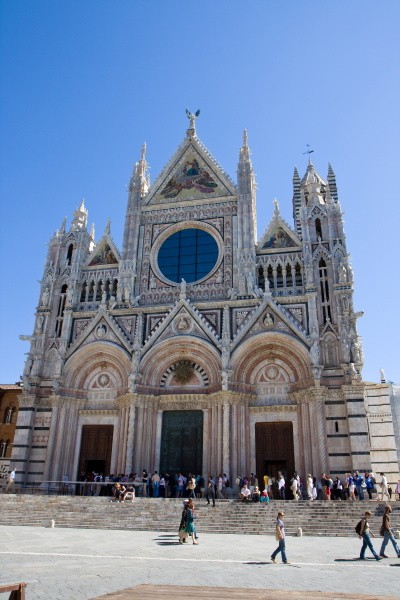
(281, 486)
(245, 494)
(384, 487)
(10, 482)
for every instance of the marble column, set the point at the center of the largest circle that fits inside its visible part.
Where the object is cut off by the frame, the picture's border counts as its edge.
(47, 472)
(226, 467)
(57, 453)
(131, 439)
(305, 442)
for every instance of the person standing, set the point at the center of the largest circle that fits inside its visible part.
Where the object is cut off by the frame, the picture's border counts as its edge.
(398, 489)
(310, 485)
(280, 537)
(10, 482)
(281, 486)
(365, 533)
(384, 487)
(359, 481)
(190, 517)
(369, 485)
(210, 491)
(155, 481)
(387, 533)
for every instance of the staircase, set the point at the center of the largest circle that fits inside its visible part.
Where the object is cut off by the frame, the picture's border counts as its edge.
(229, 516)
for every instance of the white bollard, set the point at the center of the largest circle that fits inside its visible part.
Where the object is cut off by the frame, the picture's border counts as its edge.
(299, 532)
(397, 534)
(52, 523)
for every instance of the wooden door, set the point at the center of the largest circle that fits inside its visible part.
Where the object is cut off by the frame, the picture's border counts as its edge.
(274, 450)
(96, 448)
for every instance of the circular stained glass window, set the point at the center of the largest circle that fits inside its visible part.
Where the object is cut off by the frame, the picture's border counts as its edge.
(188, 254)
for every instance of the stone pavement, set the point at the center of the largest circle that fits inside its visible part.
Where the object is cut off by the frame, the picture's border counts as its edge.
(76, 564)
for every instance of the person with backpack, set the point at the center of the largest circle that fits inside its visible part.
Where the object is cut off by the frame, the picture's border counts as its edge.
(363, 531)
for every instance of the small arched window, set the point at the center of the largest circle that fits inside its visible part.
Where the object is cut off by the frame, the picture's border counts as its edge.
(261, 278)
(83, 292)
(271, 277)
(279, 276)
(336, 427)
(61, 308)
(289, 276)
(318, 228)
(69, 254)
(298, 275)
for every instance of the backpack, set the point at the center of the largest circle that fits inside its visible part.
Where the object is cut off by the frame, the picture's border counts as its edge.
(358, 527)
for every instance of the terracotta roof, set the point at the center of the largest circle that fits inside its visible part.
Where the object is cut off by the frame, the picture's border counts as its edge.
(9, 386)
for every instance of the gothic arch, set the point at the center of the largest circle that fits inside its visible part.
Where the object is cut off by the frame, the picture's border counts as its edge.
(330, 351)
(100, 357)
(267, 350)
(165, 354)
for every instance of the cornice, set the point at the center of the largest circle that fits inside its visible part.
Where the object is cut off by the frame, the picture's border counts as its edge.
(273, 409)
(99, 411)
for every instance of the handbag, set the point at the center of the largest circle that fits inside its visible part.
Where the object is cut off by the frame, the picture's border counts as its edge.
(278, 533)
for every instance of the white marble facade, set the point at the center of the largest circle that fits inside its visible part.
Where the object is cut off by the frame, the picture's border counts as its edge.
(266, 334)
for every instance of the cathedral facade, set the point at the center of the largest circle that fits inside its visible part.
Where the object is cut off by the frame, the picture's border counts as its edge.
(195, 347)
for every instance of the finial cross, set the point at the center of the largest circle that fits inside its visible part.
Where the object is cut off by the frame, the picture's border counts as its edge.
(308, 151)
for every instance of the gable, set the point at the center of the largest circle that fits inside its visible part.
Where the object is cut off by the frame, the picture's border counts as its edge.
(190, 175)
(269, 316)
(278, 235)
(279, 238)
(104, 254)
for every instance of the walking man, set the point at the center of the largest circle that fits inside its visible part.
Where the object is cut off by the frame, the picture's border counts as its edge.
(384, 487)
(387, 533)
(280, 537)
(365, 533)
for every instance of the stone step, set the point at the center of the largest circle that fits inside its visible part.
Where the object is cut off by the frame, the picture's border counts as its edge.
(315, 518)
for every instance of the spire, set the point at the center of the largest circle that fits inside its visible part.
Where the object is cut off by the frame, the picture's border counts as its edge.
(139, 179)
(277, 212)
(80, 217)
(244, 150)
(332, 183)
(296, 200)
(63, 225)
(108, 227)
(92, 231)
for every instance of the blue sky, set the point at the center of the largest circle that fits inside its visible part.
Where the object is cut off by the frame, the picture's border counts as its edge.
(85, 83)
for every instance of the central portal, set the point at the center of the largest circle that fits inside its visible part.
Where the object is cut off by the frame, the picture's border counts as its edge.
(182, 442)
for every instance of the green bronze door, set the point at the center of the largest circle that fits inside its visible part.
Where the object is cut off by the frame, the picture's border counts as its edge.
(182, 442)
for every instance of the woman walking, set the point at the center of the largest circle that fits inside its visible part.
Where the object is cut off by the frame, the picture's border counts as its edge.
(190, 517)
(387, 533)
(280, 537)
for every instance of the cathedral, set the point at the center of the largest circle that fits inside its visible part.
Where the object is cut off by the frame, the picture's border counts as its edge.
(196, 347)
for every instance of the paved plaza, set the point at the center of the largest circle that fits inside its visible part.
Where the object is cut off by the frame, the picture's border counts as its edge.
(79, 564)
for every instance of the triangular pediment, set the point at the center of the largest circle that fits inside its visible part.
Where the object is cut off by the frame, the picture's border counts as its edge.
(269, 316)
(182, 320)
(102, 328)
(278, 235)
(191, 174)
(105, 254)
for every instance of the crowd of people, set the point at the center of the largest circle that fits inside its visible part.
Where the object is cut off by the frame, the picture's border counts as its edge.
(352, 487)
